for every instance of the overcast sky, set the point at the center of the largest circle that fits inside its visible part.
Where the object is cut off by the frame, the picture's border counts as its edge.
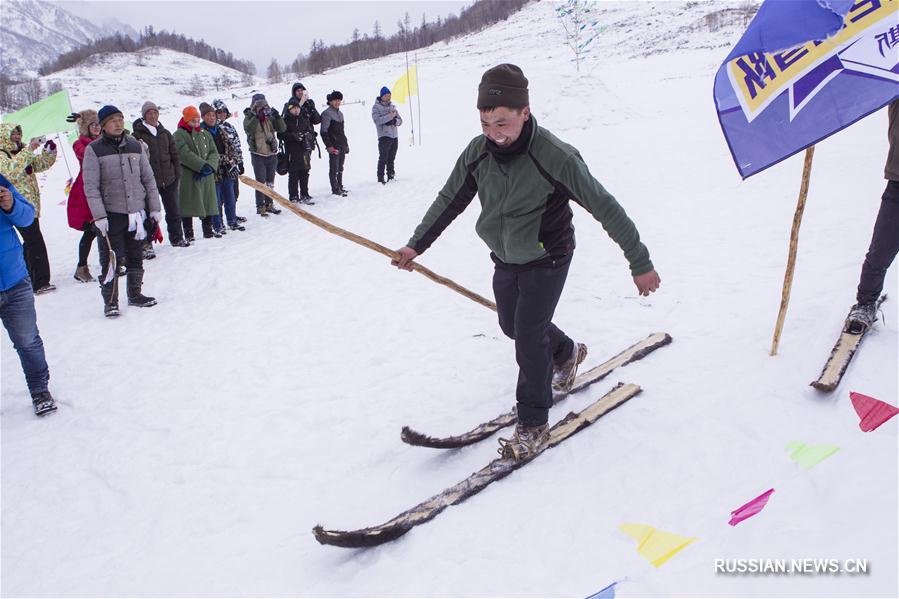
(261, 30)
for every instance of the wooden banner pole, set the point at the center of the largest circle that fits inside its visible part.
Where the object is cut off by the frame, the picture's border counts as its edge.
(794, 247)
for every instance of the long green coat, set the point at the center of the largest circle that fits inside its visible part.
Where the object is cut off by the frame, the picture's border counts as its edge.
(196, 149)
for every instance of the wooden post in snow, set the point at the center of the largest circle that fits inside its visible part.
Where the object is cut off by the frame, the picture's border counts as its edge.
(794, 246)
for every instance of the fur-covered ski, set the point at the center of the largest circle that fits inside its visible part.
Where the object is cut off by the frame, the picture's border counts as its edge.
(840, 357)
(495, 470)
(635, 352)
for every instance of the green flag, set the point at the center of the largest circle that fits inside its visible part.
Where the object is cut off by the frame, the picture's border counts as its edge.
(43, 118)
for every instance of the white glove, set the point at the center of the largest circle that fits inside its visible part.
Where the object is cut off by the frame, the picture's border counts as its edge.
(102, 226)
(156, 215)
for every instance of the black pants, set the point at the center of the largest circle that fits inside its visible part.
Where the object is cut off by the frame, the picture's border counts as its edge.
(205, 224)
(169, 195)
(526, 298)
(126, 248)
(84, 246)
(264, 172)
(36, 259)
(335, 170)
(298, 165)
(387, 147)
(883, 248)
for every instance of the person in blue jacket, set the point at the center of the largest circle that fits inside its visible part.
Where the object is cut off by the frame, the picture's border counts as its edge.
(17, 298)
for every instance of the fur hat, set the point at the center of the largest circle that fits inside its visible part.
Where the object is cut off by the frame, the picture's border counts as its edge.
(335, 95)
(147, 107)
(503, 85)
(220, 106)
(190, 113)
(85, 118)
(107, 112)
(257, 101)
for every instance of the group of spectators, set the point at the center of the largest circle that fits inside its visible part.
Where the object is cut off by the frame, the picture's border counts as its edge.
(127, 179)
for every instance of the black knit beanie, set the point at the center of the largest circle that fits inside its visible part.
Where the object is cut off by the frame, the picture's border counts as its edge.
(503, 85)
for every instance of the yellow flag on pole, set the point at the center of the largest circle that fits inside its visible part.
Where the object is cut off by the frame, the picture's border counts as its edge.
(405, 86)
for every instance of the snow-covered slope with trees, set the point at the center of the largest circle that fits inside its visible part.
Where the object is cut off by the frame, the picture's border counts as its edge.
(33, 32)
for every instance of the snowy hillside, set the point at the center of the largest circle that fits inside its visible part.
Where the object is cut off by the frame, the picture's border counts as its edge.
(33, 32)
(171, 76)
(198, 442)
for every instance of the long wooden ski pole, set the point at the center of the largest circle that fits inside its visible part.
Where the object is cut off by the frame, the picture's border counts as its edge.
(794, 247)
(318, 222)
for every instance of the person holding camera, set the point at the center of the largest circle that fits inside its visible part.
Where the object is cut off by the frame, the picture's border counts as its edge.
(20, 165)
(387, 119)
(262, 123)
(17, 298)
(199, 161)
(300, 116)
(336, 143)
(121, 191)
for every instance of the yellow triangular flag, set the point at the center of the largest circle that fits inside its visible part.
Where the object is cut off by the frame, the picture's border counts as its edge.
(658, 546)
(405, 86)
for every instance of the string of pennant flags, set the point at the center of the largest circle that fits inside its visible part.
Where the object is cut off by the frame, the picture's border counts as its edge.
(659, 546)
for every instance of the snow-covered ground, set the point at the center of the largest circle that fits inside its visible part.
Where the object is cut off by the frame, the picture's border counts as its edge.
(198, 443)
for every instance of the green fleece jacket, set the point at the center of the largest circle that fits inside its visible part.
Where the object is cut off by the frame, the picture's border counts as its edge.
(525, 215)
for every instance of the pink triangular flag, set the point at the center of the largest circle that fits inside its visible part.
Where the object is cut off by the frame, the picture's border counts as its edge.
(750, 509)
(872, 412)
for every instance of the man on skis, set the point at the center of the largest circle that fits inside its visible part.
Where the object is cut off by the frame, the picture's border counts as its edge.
(525, 177)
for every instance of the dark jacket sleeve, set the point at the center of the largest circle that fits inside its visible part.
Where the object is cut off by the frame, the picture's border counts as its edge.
(584, 189)
(149, 182)
(278, 122)
(326, 124)
(314, 117)
(175, 159)
(455, 196)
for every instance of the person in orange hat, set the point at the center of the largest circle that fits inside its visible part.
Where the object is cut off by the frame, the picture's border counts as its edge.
(199, 161)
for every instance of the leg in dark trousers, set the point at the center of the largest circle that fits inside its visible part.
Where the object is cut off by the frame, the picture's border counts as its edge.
(118, 230)
(229, 202)
(134, 259)
(383, 156)
(20, 320)
(169, 195)
(84, 246)
(206, 224)
(340, 162)
(884, 246)
(264, 172)
(304, 174)
(295, 166)
(188, 225)
(35, 254)
(526, 298)
(391, 156)
(334, 169)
